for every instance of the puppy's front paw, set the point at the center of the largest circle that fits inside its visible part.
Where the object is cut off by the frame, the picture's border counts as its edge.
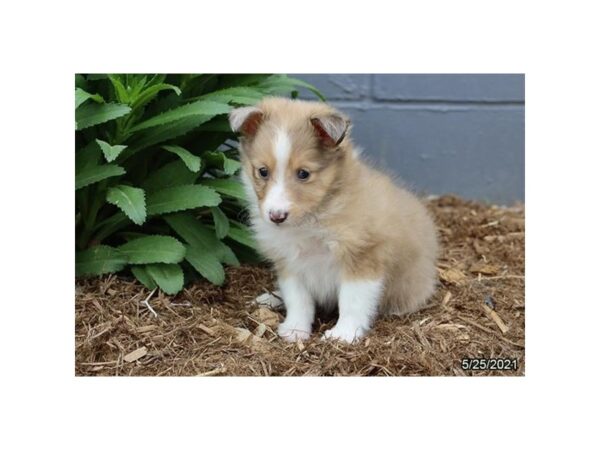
(292, 332)
(345, 332)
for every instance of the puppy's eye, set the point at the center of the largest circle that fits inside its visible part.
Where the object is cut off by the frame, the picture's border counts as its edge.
(303, 174)
(263, 172)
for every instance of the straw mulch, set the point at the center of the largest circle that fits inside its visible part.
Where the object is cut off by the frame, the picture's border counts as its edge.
(478, 311)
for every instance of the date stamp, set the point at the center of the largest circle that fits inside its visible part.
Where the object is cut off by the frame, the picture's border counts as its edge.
(489, 364)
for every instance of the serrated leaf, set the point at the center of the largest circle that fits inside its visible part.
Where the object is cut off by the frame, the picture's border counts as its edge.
(221, 161)
(242, 234)
(231, 166)
(148, 94)
(93, 174)
(277, 84)
(198, 235)
(172, 174)
(90, 114)
(130, 200)
(82, 96)
(179, 198)
(240, 95)
(230, 187)
(88, 156)
(221, 222)
(143, 276)
(120, 90)
(168, 277)
(204, 108)
(110, 151)
(191, 161)
(158, 135)
(206, 264)
(153, 249)
(99, 260)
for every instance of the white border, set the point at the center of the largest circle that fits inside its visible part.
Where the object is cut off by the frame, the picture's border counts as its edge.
(45, 43)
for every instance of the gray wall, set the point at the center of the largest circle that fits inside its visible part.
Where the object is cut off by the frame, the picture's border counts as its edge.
(461, 134)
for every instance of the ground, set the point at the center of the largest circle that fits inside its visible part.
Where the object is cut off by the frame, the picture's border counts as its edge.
(478, 311)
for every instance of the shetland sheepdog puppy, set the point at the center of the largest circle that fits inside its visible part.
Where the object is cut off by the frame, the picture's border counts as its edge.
(337, 231)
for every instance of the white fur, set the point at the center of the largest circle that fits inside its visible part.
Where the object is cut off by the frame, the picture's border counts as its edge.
(358, 307)
(307, 253)
(300, 310)
(277, 199)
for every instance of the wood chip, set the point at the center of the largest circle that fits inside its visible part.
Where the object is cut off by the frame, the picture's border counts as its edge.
(206, 329)
(450, 326)
(266, 316)
(135, 355)
(146, 328)
(244, 336)
(479, 248)
(447, 298)
(260, 330)
(217, 371)
(496, 318)
(484, 269)
(452, 276)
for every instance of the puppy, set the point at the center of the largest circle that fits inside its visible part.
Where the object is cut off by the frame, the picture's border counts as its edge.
(337, 231)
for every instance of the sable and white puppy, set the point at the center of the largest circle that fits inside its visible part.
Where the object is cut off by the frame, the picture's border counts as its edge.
(338, 231)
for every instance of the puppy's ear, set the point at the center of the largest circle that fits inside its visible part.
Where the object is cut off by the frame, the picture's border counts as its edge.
(246, 120)
(330, 129)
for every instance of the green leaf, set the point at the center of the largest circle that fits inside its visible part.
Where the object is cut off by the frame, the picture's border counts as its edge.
(199, 236)
(130, 200)
(158, 135)
(82, 96)
(88, 156)
(143, 276)
(230, 187)
(179, 198)
(238, 95)
(221, 222)
(148, 94)
(90, 114)
(191, 161)
(278, 84)
(120, 90)
(203, 108)
(153, 249)
(228, 257)
(241, 233)
(221, 161)
(168, 277)
(110, 151)
(99, 260)
(172, 174)
(206, 264)
(110, 225)
(93, 174)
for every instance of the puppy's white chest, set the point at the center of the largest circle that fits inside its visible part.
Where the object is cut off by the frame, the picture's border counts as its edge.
(308, 255)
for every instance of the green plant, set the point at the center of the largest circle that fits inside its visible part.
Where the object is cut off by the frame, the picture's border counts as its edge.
(154, 174)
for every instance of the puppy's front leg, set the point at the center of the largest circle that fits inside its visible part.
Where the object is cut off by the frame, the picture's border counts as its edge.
(300, 310)
(358, 302)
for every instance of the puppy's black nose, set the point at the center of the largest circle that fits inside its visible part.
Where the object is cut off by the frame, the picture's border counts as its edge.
(278, 216)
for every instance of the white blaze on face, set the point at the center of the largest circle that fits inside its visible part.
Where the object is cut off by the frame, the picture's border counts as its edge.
(277, 199)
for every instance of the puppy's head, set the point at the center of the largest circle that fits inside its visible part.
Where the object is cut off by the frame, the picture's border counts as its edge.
(291, 154)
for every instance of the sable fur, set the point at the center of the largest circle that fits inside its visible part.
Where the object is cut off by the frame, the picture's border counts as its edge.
(348, 221)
